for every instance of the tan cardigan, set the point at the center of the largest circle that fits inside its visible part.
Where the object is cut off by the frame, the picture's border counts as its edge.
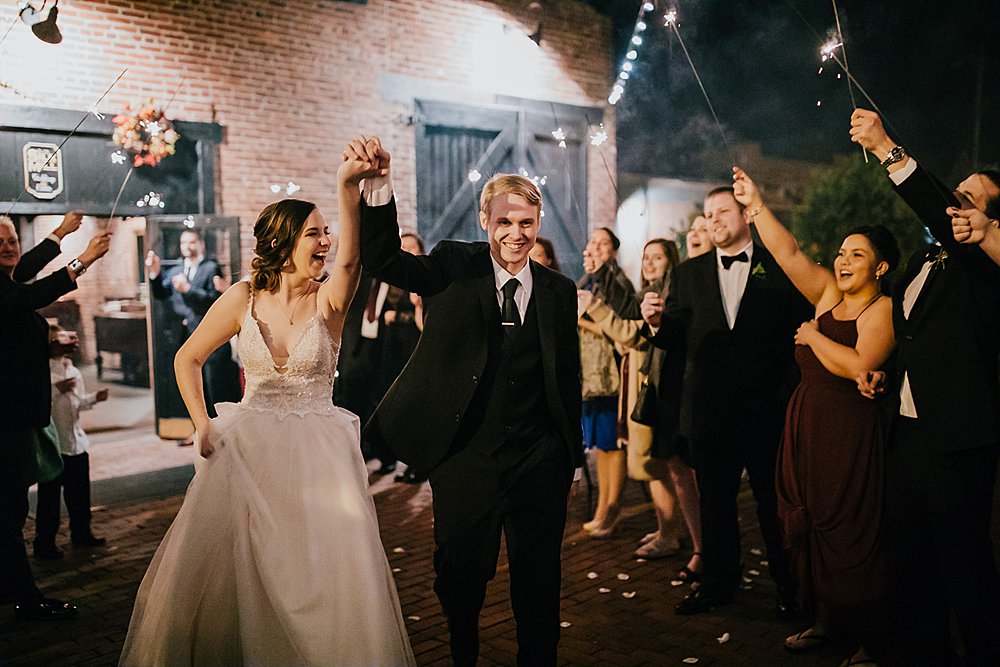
(627, 337)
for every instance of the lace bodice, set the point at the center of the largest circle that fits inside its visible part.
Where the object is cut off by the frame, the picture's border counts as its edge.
(304, 385)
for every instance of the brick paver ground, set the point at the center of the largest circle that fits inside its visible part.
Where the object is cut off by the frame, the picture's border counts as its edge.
(602, 628)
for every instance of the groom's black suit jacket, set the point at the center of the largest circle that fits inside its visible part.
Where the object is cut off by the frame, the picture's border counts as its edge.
(736, 382)
(429, 414)
(949, 344)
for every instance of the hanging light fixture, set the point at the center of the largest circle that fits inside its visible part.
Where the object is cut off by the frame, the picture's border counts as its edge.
(44, 26)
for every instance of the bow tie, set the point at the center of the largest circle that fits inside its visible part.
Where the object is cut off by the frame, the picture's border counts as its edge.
(728, 260)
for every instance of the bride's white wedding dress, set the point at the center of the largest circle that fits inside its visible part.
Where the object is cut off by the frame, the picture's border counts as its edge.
(274, 557)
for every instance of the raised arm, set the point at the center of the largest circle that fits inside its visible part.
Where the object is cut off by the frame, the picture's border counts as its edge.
(972, 226)
(221, 322)
(875, 343)
(809, 278)
(363, 158)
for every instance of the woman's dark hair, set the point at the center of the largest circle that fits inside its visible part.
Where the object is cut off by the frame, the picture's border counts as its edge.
(615, 243)
(277, 228)
(884, 244)
(673, 259)
(550, 252)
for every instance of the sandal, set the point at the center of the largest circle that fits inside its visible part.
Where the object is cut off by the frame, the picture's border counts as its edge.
(657, 549)
(802, 642)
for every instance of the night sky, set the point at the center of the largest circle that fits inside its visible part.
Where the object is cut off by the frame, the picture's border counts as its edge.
(920, 61)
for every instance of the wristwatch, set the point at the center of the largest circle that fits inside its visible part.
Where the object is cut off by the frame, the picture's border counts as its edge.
(77, 267)
(895, 155)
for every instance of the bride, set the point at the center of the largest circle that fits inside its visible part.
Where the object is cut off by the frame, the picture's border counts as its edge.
(275, 556)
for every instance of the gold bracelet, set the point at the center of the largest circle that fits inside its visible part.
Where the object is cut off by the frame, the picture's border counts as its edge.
(755, 212)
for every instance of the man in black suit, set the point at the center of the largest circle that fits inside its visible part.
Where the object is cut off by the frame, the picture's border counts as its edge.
(945, 439)
(489, 404)
(190, 290)
(734, 313)
(26, 395)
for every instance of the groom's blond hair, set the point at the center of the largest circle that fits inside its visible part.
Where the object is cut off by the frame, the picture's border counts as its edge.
(509, 184)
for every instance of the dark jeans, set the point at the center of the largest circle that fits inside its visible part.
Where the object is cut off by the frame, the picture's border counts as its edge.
(17, 449)
(74, 482)
(938, 521)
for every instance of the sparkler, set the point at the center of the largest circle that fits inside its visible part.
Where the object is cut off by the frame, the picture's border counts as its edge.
(670, 19)
(59, 147)
(843, 52)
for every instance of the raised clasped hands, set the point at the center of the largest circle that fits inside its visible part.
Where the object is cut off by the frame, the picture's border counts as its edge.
(180, 283)
(805, 332)
(745, 190)
(651, 308)
(364, 158)
(970, 225)
(871, 383)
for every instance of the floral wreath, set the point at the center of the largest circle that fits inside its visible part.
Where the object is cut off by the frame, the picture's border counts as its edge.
(148, 134)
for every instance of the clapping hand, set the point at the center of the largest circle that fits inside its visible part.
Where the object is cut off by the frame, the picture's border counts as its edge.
(180, 283)
(970, 225)
(152, 264)
(589, 262)
(871, 383)
(364, 158)
(651, 308)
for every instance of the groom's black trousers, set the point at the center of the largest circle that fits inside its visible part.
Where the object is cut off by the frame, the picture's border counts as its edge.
(521, 493)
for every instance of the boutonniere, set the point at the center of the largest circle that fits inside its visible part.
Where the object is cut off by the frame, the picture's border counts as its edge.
(939, 259)
(759, 271)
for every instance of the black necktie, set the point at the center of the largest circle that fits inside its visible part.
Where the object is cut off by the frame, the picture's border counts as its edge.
(509, 314)
(728, 260)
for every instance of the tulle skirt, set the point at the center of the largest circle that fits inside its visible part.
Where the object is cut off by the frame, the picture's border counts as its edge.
(274, 557)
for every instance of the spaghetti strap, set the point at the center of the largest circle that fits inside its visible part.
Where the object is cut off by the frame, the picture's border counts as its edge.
(830, 311)
(870, 304)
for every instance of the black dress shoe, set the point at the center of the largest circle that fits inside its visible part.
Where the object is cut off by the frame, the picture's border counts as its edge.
(47, 551)
(786, 604)
(700, 602)
(89, 540)
(411, 476)
(44, 609)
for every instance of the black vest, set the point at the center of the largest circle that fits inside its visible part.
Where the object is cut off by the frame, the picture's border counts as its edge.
(509, 409)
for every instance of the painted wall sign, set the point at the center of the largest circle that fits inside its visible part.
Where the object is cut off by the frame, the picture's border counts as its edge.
(43, 170)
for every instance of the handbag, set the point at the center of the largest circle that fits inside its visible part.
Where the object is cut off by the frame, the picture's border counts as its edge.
(644, 411)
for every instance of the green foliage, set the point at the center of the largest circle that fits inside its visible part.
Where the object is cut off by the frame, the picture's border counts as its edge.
(848, 194)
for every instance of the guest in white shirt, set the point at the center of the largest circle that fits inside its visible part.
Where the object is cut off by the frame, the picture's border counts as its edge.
(69, 397)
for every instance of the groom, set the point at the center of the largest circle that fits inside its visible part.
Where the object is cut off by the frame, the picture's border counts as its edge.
(489, 404)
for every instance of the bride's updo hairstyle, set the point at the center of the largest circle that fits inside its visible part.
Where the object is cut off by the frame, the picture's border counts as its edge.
(276, 229)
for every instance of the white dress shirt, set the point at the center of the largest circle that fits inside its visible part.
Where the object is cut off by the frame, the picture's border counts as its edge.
(66, 406)
(907, 408)
(522, 295)
(733, 281)
(369, 328)
(191, 268)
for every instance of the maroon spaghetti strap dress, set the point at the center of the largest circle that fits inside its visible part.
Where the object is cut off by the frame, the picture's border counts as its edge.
(830, 485)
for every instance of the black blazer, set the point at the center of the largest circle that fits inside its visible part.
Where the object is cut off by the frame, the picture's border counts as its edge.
(352, 361)
(949, 344)
(420, 415)
(191, 307)
(25, 389)
(735, 382)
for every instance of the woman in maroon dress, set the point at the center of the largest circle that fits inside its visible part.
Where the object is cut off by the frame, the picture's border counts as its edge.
(830, 477)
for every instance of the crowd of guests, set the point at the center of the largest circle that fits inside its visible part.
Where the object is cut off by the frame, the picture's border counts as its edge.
(867, 420)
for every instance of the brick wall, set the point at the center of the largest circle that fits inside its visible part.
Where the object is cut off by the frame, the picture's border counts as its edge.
(292, 81)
